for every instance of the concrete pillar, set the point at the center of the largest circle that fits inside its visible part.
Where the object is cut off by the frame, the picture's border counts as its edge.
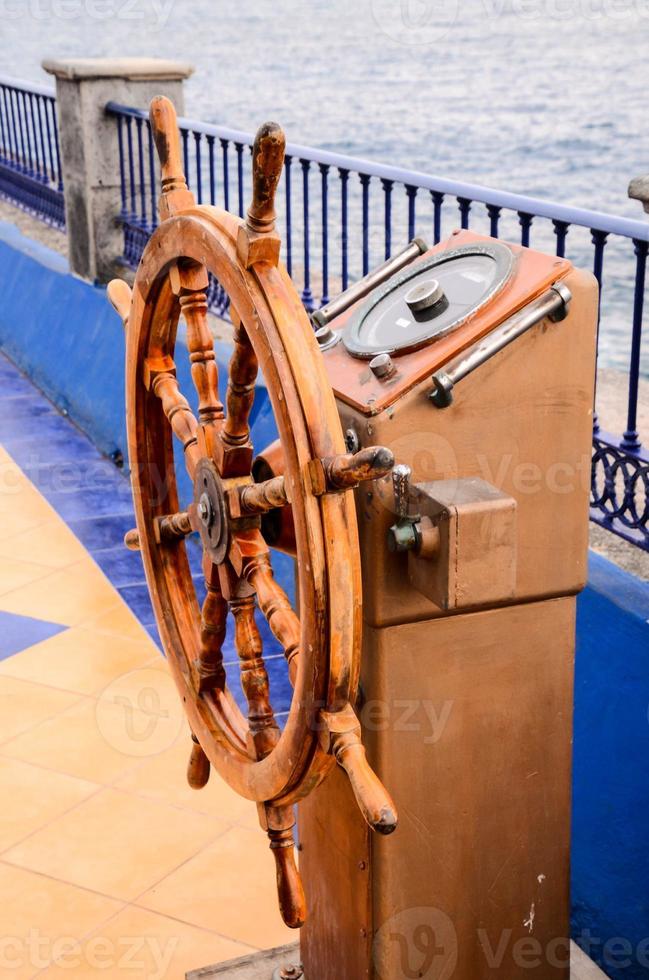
(639, 190)
(89, 147)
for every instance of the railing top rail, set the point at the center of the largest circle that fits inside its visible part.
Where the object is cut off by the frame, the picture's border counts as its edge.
(23, 86)
(599, 221)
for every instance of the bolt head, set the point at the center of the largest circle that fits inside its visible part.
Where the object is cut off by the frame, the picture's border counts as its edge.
(204, 509)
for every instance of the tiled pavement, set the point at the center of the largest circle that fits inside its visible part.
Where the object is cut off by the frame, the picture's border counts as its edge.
(109, 864)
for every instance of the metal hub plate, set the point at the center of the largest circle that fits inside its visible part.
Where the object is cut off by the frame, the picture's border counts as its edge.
(467, 278)
(210, 509)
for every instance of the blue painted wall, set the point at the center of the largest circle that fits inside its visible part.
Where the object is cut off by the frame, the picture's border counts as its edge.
(63, 334)
(610, 851)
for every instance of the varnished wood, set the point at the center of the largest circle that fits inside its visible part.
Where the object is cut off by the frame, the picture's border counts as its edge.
(342, 737)
(120, 295)
(175, 195)
(179, 414)
(272, 767)
(241, 386)
(198, 768)
(132, 540)
(173, 527)
(211, 672)
(264, 732)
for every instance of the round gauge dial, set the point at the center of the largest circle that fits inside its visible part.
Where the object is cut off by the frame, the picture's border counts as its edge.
(428, 300)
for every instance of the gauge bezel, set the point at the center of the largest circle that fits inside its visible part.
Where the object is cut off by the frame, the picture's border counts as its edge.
(499, 252)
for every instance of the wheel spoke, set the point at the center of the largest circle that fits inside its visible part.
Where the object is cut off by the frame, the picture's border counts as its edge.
(189, 282)
(276, 607)
(241, 386)
(173, 527)
(180, 416)
(211, 672)
(264, 731)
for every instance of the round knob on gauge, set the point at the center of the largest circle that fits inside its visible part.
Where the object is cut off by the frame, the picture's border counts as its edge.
(382, 366)
(424, 295)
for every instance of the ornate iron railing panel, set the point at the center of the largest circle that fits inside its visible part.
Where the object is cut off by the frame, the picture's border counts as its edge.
(341, 215)
(30, 157)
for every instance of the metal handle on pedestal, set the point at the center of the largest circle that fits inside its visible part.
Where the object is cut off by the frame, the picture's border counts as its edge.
(363, 286)
(553, 304)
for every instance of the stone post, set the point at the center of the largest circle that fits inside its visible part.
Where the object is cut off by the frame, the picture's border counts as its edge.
(639, 190)
(89, 147)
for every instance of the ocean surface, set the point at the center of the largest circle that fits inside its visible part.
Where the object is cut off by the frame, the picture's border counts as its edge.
(543, 97)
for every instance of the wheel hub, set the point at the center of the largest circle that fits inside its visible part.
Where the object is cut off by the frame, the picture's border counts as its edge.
(210, 509)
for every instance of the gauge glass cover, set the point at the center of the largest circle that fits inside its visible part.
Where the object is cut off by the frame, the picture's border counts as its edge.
(469, 277)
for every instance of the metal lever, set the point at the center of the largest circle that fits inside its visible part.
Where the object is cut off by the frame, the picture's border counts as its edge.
(553, 304)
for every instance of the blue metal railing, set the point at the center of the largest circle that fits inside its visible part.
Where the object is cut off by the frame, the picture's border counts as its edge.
(30, 158)
(340, 215)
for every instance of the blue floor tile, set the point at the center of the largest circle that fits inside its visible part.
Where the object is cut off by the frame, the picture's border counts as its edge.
(100, 533)
(138, 600)
(19, 632)
(121, 566)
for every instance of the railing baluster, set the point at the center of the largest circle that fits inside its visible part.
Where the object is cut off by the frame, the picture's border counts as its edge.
(226, 174)
(29, 111)
(387, 215)
(131, 166)
(630, 439)
(212, 169)
(324, 170)
(288, 160)
(185, 141)
(365, 185)
(494, 219)
(3, 131)
(525, 221)
(438, 200)
(411, 191)
(140, 160)
(199, 175)
(239, 148)
(15, 112)
(464, 205)
(122, 170)
(48, 134)
(38, 100)
(561, 231)
(307, 295)
(57, 149)
(29, 168)
(153, 183)
(599, 239)
(344, 222)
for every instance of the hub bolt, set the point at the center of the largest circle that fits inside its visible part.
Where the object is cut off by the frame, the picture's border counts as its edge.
(205, 512)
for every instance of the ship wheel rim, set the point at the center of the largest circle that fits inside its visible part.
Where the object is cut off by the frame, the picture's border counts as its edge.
(329, 578)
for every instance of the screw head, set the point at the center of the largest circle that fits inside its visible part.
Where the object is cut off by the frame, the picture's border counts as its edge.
(352, 442)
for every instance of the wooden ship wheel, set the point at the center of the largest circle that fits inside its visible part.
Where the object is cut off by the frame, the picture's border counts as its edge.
(271, 766)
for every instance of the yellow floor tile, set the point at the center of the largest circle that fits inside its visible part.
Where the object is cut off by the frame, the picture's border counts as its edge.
(228, 887)
(33, 796)
(38, 914)
(68, 596)
(145, 946)
(24, 705)
(15, 573)
(119, 621)
(163, 778)
(94, 740)
(79, 660)
(51, 544)
(116, 844)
